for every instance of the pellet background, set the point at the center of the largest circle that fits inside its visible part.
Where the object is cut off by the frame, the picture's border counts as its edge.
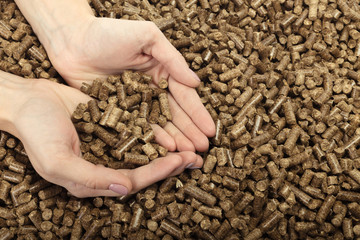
(281, 81)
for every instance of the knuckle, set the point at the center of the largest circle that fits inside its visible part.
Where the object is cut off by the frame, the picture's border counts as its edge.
(75, 190)
(153, 32)
(92, 183)
(48, 170)
(130, 188)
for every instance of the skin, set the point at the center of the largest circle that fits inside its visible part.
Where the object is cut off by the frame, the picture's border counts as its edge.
(82, 48)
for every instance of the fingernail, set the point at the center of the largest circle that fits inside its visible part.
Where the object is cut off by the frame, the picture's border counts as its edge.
(195, 76)
(189, 165)
(120, 189)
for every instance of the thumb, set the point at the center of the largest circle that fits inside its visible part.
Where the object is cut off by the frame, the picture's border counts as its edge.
(172, 60)
(77, 174)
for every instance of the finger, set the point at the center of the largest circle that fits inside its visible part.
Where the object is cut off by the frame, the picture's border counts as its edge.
(190, 102)
(159, 169)
(182, 142)
(182, 121)
(84, 173)
(163, 138)
(162, 50)
(82, 191)
(190, 165)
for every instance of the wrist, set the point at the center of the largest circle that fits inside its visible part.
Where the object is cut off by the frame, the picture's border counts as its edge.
(56, 22)
(12, 96)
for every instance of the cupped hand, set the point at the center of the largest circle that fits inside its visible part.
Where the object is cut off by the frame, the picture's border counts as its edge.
(99, 47)
(40, 118)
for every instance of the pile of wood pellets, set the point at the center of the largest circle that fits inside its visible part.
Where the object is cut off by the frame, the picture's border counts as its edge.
(114, 128)
(281, 81)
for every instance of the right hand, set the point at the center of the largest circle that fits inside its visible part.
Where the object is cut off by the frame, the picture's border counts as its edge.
(40, 117)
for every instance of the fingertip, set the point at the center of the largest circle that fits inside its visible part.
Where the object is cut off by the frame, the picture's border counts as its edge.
(207, 124)
(202, 144)
(173, 165)
(189, 157)
(163, 138)
(171, 146)
(188, 160)
(119, 189)
(188, 78)
(196, 77)
(211, 129)
(182, 143)
(199, 162)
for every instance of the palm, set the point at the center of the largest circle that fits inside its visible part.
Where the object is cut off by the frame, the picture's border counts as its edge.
(46, 130)
(106, 47)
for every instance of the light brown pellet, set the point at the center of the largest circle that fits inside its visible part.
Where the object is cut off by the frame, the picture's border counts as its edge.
(171, 229)
(173, 209)
(26, 207)
(136, 159)
(325, 208)
(136, 219)
(49, 192)
(164, 106)
(150, 151)
(11, 176)
(200, 195)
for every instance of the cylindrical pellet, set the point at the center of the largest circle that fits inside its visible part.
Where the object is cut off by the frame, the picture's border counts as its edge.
(94, 110)
(136, 219)
(333, 163)
(164, 106)
(325, 208)
(150, 151)
(171, 229)
(355, 174)
(136, 159)
(289, 113)
(292, 138)
(200, 194)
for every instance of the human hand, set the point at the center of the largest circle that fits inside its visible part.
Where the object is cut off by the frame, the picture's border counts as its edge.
(83, 48)
(39, 115)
